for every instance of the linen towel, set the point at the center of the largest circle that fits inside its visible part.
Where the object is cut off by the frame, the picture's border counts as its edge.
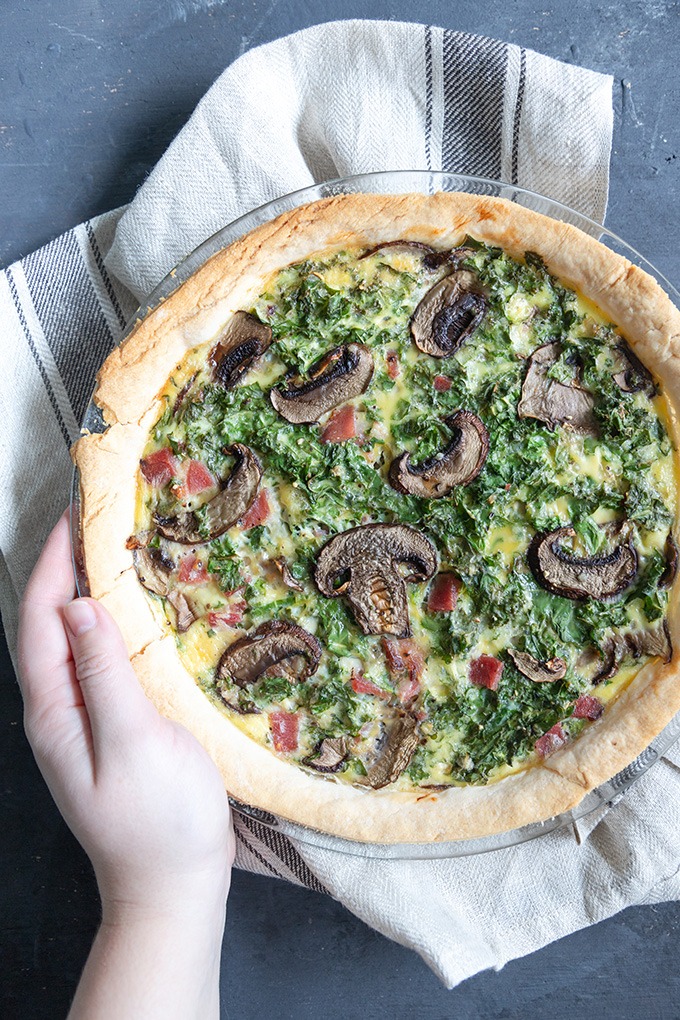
(337, 99)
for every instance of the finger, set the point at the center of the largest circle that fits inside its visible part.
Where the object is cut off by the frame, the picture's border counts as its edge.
(115, 702)
(52, 581)
(44, 651)
(54, 715)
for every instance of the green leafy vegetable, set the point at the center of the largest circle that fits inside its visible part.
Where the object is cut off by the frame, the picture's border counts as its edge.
(534, 479)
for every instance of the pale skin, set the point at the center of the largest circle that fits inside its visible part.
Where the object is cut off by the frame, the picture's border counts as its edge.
(141, 796)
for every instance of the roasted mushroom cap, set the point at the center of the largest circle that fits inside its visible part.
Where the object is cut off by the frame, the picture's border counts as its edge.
(329, 755)
(534, 669)
(448, 314)
(633, 377)
(286, 575)
(574, 577)
(343, 373)
(366, 561)
(243, 341)
(224, 509)
(671, 568)
(553, 402)
(458, 464)
(652, 641)
(292, 650)
(153, 568)
(394, 750)
(432, 257)
(184, 610)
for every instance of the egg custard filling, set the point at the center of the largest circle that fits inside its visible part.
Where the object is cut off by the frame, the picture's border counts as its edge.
(408, 515)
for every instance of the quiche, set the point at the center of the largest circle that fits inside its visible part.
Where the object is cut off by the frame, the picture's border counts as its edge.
(385, 508)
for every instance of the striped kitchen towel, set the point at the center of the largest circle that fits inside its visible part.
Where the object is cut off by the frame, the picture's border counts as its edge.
(359, 96)
(334, 100)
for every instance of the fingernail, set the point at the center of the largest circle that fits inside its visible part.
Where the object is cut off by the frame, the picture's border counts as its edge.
(80, 616)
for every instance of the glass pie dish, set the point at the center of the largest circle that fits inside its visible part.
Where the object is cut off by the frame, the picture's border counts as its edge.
(395, 183)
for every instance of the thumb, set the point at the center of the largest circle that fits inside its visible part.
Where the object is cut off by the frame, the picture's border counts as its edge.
(114, 700)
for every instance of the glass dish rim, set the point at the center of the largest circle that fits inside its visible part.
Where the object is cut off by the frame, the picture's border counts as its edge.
(175, 276)
(604, 796)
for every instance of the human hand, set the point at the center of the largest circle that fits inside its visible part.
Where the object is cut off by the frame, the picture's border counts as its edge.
(138, 791)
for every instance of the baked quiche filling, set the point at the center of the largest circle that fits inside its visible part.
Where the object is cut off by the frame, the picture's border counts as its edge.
(409, 515)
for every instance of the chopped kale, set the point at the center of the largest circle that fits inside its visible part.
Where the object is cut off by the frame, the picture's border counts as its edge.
(334, 705)
(534, 479)
(273, 689)
(256, 535)
(499, 727)
(223, 564)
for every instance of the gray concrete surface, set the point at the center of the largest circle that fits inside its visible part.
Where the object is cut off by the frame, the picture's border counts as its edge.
(91, 92)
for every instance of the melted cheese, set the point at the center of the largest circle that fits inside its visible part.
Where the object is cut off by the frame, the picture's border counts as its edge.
(507, 541)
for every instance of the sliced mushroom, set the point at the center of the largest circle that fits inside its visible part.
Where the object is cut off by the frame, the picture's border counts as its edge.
(286, 575)
(184, 610)
(574, 577)
(634, 377)
(654, 641)
(534, 669)
(223, 510)
(153, 567)
(448, 314)
(243, 341)
(670, 570)
(553, 402)
(648, 641)
(276, 643)
(612, 653)
(329, 755)
(394, 750)
(432, 258)
(458, 464)
(365, 562)
(343, 373)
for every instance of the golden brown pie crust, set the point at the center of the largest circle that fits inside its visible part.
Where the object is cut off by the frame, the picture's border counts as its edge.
(128, 389)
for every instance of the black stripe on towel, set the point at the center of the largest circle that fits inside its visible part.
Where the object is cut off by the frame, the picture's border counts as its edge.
(474, 83)
(71, 317)
(36, 357)
(256, 853)
(428, 96)
(518, 114)
(285, 851)
(106, 279)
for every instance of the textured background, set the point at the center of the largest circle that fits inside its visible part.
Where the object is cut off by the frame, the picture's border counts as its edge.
(91, 92)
